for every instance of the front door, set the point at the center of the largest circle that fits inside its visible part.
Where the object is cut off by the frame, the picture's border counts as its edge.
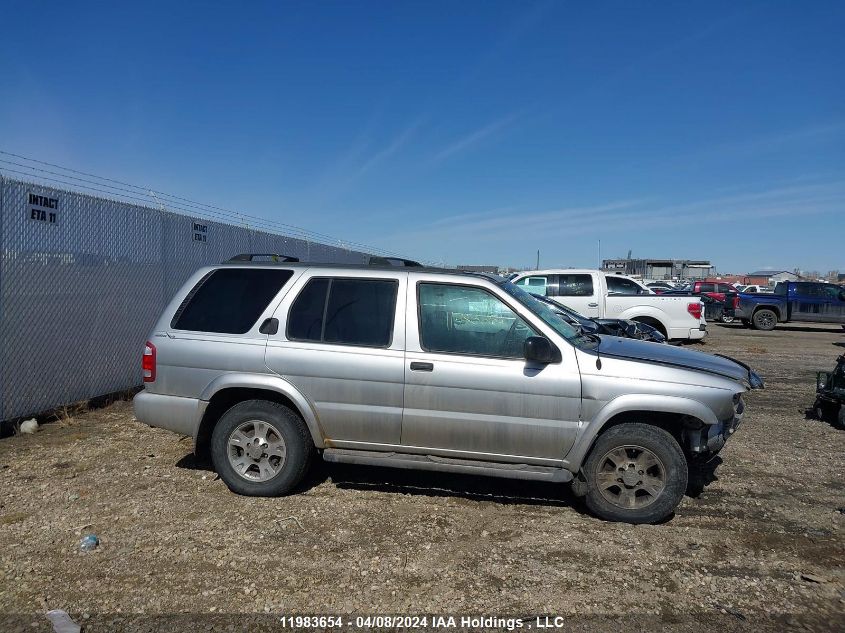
(469, 391)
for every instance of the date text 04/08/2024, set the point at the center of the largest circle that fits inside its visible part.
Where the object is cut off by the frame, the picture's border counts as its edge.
(421, 621)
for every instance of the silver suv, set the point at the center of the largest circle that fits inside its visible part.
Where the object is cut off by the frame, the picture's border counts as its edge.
(267, 364)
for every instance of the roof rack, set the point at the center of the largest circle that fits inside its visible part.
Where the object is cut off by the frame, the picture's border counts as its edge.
(252, 257)
(375, 260)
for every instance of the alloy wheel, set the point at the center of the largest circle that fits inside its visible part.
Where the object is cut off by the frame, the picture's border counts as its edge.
(256, 450)
(630, 477)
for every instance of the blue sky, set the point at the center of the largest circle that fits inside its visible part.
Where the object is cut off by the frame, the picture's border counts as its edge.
(471, 132)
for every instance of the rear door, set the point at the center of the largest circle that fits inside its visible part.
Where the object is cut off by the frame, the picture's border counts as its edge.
(341, 342)
(809, 302)
(579, 291)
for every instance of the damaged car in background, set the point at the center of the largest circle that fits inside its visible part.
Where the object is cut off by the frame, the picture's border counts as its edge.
(627, 328)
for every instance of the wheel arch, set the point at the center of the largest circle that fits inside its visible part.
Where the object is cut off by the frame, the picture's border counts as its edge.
(648, 315)
(670, 413)
(653, 322)
(767, 306)
(228, 390)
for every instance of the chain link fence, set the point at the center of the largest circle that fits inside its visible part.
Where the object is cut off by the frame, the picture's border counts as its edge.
(84, 278)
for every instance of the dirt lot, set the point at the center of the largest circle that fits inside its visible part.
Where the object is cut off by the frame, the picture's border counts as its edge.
(360, 540)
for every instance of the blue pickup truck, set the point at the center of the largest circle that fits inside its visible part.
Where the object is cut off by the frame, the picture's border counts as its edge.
(793, 301)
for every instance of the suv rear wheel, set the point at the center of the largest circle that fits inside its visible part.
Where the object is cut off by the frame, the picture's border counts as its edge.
(261, 448)
(636, 473)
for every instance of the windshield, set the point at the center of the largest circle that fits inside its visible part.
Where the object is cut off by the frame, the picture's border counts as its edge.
(548, 314)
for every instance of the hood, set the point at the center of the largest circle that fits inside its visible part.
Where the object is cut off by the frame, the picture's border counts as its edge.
(679, 357)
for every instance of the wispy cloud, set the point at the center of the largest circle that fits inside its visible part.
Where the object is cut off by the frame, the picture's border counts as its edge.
(779, 140)
(396, 144)
(500, 227)
(474, 138)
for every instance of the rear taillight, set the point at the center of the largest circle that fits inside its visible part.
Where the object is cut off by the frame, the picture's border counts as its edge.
(148, 363)
(736, 302)
(695, 310)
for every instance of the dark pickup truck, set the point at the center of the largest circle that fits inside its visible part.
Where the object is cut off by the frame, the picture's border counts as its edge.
(793, 301)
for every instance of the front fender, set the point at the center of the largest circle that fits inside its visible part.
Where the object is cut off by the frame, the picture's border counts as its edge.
(270, 383)
(632, 402)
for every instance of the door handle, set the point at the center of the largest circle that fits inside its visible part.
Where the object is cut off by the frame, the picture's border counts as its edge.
(417, 366)
(592, 305)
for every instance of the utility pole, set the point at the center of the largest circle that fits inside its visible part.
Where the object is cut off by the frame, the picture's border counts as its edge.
(538, 260)
(599, 265)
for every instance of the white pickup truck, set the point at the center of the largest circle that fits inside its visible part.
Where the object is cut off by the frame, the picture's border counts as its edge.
(600, 295)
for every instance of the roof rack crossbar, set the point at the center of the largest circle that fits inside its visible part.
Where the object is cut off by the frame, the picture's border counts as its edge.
(375, 260)
(251, 257)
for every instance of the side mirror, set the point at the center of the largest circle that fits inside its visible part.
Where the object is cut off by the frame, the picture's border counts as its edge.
(539, 349)
(822, 379)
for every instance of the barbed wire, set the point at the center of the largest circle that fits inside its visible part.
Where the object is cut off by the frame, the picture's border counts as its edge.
(122, 191)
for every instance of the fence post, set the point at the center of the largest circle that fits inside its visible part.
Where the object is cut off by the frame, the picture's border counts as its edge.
(2, 317)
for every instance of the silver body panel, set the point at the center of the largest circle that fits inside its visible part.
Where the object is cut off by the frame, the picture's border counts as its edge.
(494, 410)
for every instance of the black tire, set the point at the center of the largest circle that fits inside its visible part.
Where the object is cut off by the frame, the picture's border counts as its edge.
(283, 423)
(841, 417)
(764, 319)
(671, 463)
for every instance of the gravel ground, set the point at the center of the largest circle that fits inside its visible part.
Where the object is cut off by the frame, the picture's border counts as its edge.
(761, 547)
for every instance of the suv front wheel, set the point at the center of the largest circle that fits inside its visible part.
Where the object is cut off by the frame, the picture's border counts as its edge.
(636, 473)
(261, 448)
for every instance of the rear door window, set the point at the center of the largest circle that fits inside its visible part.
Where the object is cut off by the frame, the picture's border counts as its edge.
(229, 300)
(575, 286)
(344, 312)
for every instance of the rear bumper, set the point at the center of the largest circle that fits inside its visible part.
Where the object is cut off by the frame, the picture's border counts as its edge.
(181, 415)
(696, 334)
(692, 334)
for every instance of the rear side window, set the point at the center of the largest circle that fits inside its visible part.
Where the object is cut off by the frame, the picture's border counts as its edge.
(229, 300)
(344, 312)
(575, 286)
(305, 322)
